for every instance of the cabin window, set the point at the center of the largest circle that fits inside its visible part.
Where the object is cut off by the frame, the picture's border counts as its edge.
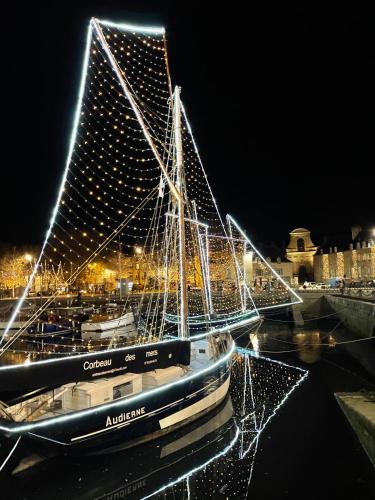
(119, 391)
(202, 351)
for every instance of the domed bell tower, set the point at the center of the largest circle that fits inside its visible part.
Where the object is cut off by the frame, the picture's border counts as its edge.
(301, 251)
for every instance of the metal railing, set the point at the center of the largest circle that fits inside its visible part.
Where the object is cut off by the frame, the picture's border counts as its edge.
(316, 290)
(364, 293)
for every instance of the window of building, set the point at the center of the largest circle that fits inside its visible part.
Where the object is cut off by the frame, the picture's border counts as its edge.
(301, 245)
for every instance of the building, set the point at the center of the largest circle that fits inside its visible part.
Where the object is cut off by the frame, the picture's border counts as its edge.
(258, 271)
(300, 252)
(355, 262)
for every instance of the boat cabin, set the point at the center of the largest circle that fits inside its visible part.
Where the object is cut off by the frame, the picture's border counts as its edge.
(83, 395)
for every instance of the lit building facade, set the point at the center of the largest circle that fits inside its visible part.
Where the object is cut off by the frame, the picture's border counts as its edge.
(357, 263)
(300, 252)
(257, 271)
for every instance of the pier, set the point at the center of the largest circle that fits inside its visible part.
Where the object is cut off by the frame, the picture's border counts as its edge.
(355, 308)
(356, 312)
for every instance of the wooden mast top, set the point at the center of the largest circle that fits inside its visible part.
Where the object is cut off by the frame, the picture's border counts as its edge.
(183, 324)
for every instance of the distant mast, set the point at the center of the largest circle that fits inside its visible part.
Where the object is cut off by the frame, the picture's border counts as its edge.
(183, 324)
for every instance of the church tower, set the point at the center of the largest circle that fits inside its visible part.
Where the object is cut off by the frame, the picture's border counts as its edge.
(301, 251)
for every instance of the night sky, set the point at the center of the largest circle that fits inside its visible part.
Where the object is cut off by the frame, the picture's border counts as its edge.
(281, 99)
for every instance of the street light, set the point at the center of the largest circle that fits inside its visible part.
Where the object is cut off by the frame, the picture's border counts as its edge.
(28, 257)
(138, 251)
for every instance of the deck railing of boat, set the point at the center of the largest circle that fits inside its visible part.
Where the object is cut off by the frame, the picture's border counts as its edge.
(3, 411)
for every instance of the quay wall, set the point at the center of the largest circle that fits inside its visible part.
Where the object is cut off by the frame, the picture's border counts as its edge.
(314, 304)
(357, 315)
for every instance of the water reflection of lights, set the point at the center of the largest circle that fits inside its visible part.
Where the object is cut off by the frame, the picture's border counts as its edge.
(309, 346)
(196, 469)
(253, 411)
(255, 342)
(213, 457)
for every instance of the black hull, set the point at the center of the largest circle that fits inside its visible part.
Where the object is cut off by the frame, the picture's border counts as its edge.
(94, 430)
(90, 366)
(132, 474)
(135, 419)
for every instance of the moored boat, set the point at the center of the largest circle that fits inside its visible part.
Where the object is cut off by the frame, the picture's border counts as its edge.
(102, 323)
(161, 387)
(92, 388)
(134, 188)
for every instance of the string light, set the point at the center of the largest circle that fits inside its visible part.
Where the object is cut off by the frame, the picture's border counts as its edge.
(143, 396)
(259, 388)
(134, 28)
(278, 293)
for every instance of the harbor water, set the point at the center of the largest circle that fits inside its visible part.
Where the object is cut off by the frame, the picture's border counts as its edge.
(281, 434)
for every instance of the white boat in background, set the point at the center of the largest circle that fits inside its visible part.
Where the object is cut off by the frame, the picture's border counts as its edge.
(99, 323)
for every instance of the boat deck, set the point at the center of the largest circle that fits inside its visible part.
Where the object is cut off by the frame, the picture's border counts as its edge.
(51, 403)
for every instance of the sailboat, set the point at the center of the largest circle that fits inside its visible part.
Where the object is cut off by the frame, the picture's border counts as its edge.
(221, 445)
(133, 175)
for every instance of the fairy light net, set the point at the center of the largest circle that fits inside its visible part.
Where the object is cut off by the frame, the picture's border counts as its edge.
(116, 217)
(113, 199)
(260, 282)
(259, 388)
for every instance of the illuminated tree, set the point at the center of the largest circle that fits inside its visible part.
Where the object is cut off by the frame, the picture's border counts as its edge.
(97, 276)
(14, 271)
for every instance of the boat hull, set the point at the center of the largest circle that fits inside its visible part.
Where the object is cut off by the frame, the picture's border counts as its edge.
(93, 365)
(112, 324)
(146, 468)
(138, 418)
(147, 418)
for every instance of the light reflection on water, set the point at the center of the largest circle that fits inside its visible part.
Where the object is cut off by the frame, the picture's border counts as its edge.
(327, 341)
(214, 457)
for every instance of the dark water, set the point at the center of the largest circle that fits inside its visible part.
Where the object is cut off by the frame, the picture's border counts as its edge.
(281, 434)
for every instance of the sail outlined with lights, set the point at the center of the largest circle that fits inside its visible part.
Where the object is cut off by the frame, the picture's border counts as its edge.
(116, 205)
(110, 189)
(260, 281)
(215, 297)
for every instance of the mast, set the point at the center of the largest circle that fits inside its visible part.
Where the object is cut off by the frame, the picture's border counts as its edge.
(133, 104)
(241, 287)
(203, 263)
(183, 324)
(183, 328)
(119, 266)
